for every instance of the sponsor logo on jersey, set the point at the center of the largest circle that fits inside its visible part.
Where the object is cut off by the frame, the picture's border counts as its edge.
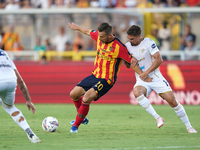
(2, 53)
(142, 50)
(111, 48)
(153, 46)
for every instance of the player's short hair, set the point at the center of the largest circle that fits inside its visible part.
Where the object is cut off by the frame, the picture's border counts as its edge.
(107, 28)
(134, 30)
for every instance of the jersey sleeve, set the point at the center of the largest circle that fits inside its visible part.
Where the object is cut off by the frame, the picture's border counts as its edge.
(124, 54)
(152, 47)
(94, 34)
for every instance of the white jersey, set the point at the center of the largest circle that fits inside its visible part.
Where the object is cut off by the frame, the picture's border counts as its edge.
(6, 67)
(143, 53)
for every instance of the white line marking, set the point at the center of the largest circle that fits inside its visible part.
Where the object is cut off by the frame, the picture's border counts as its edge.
(167, 147)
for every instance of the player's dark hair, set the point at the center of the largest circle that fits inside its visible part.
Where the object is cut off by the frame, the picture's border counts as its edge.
(134, 30)
(107, 28)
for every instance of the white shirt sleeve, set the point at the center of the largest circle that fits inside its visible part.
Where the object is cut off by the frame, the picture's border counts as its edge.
(152, 47)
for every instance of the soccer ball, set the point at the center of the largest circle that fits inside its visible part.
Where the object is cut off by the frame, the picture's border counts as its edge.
(50, 124)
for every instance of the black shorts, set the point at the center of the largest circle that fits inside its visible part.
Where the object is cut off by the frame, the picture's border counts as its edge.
(100, 86)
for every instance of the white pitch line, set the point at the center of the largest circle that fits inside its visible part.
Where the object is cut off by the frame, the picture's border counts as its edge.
(166, 147)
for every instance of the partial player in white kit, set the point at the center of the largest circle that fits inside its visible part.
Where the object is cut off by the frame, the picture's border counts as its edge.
(149, 59)
(9, 79)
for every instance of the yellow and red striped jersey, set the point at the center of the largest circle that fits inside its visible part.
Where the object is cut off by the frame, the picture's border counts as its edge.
(109, 58)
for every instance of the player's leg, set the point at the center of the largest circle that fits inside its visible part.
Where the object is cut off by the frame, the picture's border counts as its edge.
(8, 97)
(88, 97)
(140, 92)
(179, 110)
(76, 94)
(98, 89)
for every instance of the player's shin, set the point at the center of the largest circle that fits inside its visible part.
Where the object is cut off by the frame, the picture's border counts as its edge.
(77, 103)
(19, 118)
(82, 112)
(144, 102)
(180, 111)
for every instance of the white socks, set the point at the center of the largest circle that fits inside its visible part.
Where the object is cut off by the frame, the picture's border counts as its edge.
(17, 116)
(144, 102)
(180, 111)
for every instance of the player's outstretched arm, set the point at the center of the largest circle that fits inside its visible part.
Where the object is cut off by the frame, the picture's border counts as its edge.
(21, 84)
(74, 26)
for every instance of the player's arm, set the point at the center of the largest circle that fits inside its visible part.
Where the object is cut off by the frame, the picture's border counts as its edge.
(157, 62)
(74, 26)
(138, 70)
(21, 84)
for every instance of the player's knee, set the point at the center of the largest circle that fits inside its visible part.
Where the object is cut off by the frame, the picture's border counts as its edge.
(173, 103)
(137, 93)
(73, 95)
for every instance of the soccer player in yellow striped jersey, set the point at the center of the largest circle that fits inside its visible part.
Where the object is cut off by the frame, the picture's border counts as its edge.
(149, 59)
(110, 54)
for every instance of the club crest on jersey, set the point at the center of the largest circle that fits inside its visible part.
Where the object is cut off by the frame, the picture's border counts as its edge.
(142, 50)
(111, 48)
(153, 46)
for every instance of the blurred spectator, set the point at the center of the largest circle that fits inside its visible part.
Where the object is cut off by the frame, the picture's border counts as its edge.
(154, 36)
(27, 4)
(172, 3)
(36, 3)
(9, 38)
(68, 46)
(59, 4)
(107, 3)
(48, 45)
(91, 45)
(187, 32)
(43, 60)
(94, 3)
(190, 46)
(70, 3)
(130, 3)
(158, 4)
(12, 5)
(2, 3)
(60, 40)
(1, 35)
(164, 37)
(82, 3)
(17, 46)
(193, 3)
(115, 32)
(78, 43)
(38, 46)
(144, 4)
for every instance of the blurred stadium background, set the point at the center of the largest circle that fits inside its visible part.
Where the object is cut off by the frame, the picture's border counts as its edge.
(51, 78)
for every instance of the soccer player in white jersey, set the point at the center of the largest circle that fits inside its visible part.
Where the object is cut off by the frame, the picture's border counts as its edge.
(9, 79)
(149, 59)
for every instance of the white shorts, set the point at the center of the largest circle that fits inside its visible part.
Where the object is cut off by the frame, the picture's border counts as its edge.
(7, 92)
(159, 86)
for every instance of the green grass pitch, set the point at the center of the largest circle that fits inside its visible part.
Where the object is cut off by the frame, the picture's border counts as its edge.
(111, 127)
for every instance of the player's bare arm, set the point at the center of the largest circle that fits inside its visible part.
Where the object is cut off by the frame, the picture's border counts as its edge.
(137, 69)
(157, 62)
(74, 26)
(21, 84)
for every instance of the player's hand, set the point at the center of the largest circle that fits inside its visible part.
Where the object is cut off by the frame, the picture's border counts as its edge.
(30, 106)
(73, 26)
(143, 76)
(148, 79)
(134, 62)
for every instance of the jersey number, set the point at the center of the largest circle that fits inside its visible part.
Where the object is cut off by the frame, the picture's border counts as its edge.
(165, 82)
(99, 86)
